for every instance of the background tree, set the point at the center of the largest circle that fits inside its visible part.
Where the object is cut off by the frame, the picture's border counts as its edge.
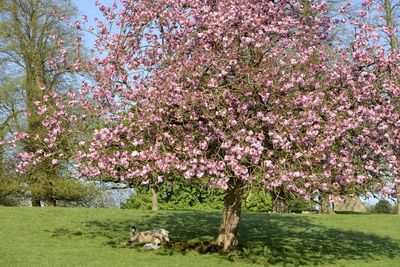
(32, 34)
(11, 97)
(178, 194)
(391, 13)
(383, 15)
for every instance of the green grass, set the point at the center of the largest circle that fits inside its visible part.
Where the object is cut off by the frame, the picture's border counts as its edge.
(96, 237)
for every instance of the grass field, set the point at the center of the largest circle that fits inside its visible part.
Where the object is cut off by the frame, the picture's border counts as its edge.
(96, 237)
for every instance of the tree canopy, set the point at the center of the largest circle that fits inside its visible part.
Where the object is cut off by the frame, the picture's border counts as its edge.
(239, 93)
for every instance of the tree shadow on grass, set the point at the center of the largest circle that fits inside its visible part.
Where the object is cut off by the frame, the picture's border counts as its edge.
(263, 238)
(298, 241)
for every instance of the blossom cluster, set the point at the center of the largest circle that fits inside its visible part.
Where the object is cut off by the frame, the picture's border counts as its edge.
(254, 90)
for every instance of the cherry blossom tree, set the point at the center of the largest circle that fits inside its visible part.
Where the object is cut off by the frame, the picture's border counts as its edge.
(237, 93)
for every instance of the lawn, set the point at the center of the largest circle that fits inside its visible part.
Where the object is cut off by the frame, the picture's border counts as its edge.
(96, 237)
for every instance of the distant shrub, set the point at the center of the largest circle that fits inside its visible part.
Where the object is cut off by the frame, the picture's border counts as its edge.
(298, 204)
(180, 196)
(383, 206)
(184, 196)
(63, 189)
(141, 200)
(260, 201)
(10, 190)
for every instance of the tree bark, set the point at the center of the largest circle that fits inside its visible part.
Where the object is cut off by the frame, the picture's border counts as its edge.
(279, 204)
(154, 200)
(325, 206)
(1, 152)
(227, 238)
(394, 44)
(35, 201)
(397, 207)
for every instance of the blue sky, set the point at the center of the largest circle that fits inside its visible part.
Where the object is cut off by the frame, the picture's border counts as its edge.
(89, 8)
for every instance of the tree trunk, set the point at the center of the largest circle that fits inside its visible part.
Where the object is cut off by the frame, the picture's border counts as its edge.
(325, 206)
(35, 201)
(394, 44)
(227, 238)
(279, 204)
(397, 207)
(1, 152)
(154, 200)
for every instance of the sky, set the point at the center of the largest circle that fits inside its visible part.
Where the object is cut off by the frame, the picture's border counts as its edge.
(89, 8)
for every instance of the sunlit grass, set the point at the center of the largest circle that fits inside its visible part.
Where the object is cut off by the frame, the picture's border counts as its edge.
(97, 237)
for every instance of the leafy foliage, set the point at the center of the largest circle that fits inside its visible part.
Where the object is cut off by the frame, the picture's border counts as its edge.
(141, 200)
(179, 196)
(299, 204)
(184, 196)
(63, 188)
(258, 200)
(10, 189)
(383, 206)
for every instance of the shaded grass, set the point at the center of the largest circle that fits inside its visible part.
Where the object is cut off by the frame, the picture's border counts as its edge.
(97, 237)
